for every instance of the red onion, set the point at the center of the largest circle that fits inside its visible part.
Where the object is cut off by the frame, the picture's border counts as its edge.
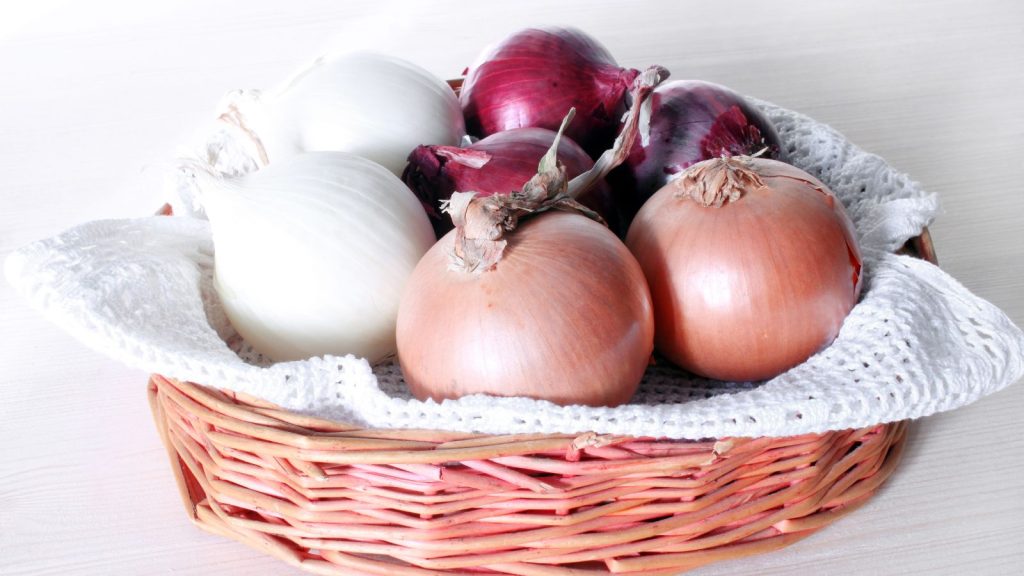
(499, 164)
(532, 77)
(691, 121)
(752, 265)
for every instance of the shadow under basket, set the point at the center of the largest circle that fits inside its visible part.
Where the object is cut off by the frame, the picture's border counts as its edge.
(331, 498)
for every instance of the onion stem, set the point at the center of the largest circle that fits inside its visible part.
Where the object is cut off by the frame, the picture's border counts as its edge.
(719, 181)
(640, 94)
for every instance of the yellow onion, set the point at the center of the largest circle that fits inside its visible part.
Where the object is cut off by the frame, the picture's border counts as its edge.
(753, 266)
(564, 316)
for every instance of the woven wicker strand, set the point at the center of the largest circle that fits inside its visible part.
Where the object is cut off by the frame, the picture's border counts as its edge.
(333, 499)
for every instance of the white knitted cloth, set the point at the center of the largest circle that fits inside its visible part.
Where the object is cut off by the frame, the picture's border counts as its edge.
(917, 343)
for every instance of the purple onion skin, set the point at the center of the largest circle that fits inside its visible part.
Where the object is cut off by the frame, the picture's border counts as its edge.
(434, 172)
(691, 121)
(533, 77)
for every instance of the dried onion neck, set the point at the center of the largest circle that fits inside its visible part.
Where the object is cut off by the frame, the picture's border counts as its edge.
(481, 221)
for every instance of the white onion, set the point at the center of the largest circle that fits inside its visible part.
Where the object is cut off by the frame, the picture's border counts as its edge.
(369, 104)
(313, 252)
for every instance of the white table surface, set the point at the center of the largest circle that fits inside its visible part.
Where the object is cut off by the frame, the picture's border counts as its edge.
(95, 96)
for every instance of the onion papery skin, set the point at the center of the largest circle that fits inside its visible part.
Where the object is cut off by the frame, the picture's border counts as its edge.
(750, 289)
(692, 121)
(565, 316)
(533, 77)
(435, 172)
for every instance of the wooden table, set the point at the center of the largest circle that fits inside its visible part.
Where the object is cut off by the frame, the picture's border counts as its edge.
(96, 96)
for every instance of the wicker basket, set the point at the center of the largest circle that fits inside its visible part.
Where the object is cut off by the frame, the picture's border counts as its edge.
(332, 498)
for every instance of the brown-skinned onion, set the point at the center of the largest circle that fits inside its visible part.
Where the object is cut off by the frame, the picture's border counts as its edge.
(564, 316)
(752, 264)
